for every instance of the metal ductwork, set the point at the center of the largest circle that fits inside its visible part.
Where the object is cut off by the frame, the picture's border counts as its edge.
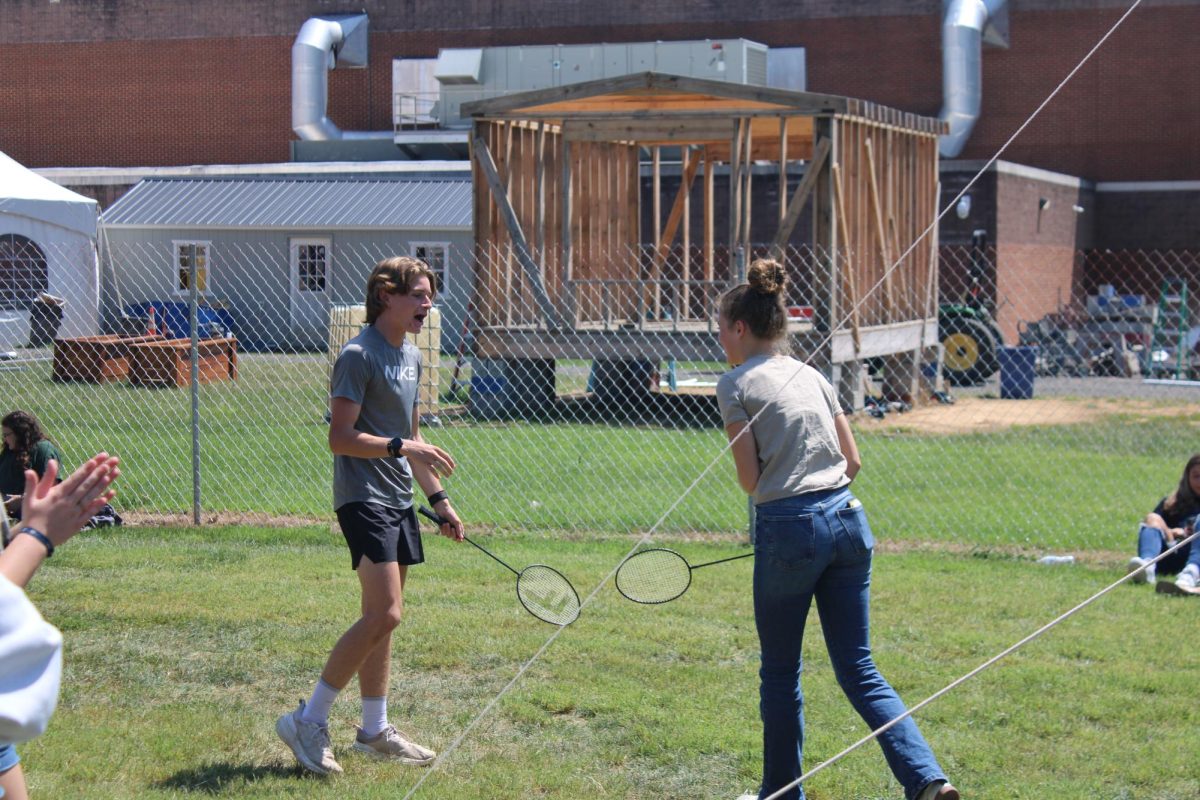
(322, 44)
(965, 26)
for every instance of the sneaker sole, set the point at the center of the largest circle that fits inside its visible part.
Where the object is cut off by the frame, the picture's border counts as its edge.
(285, 727)
(373, 753)
(1170, 587)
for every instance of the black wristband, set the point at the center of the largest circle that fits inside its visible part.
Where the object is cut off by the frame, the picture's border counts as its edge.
(395, 446)
(44, 539)
(437, 497)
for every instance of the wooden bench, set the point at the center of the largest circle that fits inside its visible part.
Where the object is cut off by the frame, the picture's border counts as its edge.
(167, 362)
(95, 359)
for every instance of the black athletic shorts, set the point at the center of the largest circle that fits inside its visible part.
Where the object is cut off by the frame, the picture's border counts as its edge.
(380, 533)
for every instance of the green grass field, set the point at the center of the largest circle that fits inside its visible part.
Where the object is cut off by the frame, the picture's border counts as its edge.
(184, 645)
(263, 452)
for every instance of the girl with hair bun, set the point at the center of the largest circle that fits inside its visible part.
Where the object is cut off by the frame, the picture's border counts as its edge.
(795, 454)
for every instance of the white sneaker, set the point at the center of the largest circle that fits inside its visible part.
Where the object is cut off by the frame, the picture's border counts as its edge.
(1188, 579)
(939, 790)
(391, 743)
(1146, 575)
(1184, 584)
(309, 742)
(748, 796)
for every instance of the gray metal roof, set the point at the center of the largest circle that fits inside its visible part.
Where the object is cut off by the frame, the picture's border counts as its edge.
(293, 204)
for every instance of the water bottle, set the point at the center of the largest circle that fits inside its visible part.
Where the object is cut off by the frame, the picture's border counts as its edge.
(1056, 560)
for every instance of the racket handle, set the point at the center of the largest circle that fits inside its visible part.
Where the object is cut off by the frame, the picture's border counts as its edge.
(433, 515)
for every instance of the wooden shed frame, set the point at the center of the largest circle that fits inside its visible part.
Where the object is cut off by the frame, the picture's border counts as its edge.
(557, 194)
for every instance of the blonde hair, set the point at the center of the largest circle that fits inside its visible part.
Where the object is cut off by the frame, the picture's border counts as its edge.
(394, 275)
(759, 301)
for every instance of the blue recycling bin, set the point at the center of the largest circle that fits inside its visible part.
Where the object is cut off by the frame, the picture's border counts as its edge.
(1018, 365)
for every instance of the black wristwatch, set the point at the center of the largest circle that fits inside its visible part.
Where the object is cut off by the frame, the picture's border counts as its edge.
(395, 446)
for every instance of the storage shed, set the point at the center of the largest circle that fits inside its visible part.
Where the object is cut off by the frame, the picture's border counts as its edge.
(274, 254)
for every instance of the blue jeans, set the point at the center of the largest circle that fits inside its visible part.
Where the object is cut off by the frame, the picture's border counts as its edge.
(1152, 542)
(819, 545)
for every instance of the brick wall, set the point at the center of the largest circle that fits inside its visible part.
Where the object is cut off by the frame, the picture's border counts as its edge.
(1171, 220)
(159, 98)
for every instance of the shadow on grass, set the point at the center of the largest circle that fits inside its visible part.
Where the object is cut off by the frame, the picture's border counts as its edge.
(223, 776)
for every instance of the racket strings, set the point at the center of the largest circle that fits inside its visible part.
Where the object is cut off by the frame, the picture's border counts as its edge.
(654, 576)
(548, 595)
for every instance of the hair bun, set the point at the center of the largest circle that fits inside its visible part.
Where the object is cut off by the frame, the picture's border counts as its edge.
(767, 276)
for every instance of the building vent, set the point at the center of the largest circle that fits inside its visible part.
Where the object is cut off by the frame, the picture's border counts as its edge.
(458, 67)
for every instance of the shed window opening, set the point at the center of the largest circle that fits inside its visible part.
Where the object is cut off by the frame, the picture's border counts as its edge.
(435, 256)
(183, 261)
(311, 266)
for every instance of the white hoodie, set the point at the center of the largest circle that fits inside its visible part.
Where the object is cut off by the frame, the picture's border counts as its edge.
(30, 666)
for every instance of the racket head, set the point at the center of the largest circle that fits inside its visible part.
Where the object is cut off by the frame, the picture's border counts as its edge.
(654, 576)
(548, 595)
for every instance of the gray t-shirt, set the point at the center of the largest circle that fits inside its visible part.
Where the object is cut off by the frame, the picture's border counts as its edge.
(798, 450)
(382, 380)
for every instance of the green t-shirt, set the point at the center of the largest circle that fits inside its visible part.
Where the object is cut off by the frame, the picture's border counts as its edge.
(12, 473)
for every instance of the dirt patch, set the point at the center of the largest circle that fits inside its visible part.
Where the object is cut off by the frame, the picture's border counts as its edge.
(151, 519)
(984, 414)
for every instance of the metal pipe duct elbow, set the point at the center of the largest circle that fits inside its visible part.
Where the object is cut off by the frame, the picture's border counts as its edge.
(321, 44)
(962, 69)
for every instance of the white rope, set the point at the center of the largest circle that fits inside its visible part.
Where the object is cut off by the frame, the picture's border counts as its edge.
(646, 538)
(954, 684)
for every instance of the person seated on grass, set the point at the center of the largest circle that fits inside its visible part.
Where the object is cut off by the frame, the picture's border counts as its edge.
(1172, 520)
(30, 647)
(25, 447)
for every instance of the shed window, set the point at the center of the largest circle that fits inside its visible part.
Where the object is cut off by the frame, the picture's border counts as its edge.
(311, 266)
(183, 266)
(435, 254)
(23, 271)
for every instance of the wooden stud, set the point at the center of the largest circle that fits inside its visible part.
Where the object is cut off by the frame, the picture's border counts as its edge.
(799, 199)
(852, 279)
(883, 238)
(520, 248)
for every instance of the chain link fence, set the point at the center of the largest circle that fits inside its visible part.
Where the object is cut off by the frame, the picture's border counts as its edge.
(599, 418)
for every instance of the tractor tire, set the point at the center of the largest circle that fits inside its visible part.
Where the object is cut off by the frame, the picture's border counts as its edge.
(969, 350)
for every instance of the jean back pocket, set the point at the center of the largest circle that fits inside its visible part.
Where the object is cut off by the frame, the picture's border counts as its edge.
(854, 527)
(787, 542)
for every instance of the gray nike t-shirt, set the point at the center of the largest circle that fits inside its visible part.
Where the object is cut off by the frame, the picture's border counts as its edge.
(383, 381)
(798, 449)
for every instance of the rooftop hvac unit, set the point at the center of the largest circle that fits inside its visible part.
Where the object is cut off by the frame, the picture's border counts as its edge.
(468, 75)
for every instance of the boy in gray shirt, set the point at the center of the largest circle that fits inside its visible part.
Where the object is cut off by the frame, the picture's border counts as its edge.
(378, 453)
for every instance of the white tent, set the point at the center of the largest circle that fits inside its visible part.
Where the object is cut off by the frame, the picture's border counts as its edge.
(47, 245)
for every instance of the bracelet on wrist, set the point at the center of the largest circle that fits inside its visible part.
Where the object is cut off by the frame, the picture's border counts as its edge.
(41, 537)
(438, 497)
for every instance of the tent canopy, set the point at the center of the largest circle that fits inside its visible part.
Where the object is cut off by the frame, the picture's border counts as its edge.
(24, 193)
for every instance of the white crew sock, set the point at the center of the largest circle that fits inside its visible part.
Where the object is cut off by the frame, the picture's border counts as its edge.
(316, 710)
(374, 715)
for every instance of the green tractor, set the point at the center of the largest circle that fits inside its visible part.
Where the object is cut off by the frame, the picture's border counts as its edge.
(970, 342)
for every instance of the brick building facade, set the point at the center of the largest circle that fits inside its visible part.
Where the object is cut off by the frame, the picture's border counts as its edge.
(155, 82)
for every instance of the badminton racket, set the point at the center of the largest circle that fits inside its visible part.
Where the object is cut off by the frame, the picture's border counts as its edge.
(543, 591)
(659, 575)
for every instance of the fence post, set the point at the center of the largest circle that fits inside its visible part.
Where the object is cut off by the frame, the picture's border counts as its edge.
(193, 324)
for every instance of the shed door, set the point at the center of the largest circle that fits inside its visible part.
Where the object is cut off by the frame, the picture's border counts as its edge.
(309, 278)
